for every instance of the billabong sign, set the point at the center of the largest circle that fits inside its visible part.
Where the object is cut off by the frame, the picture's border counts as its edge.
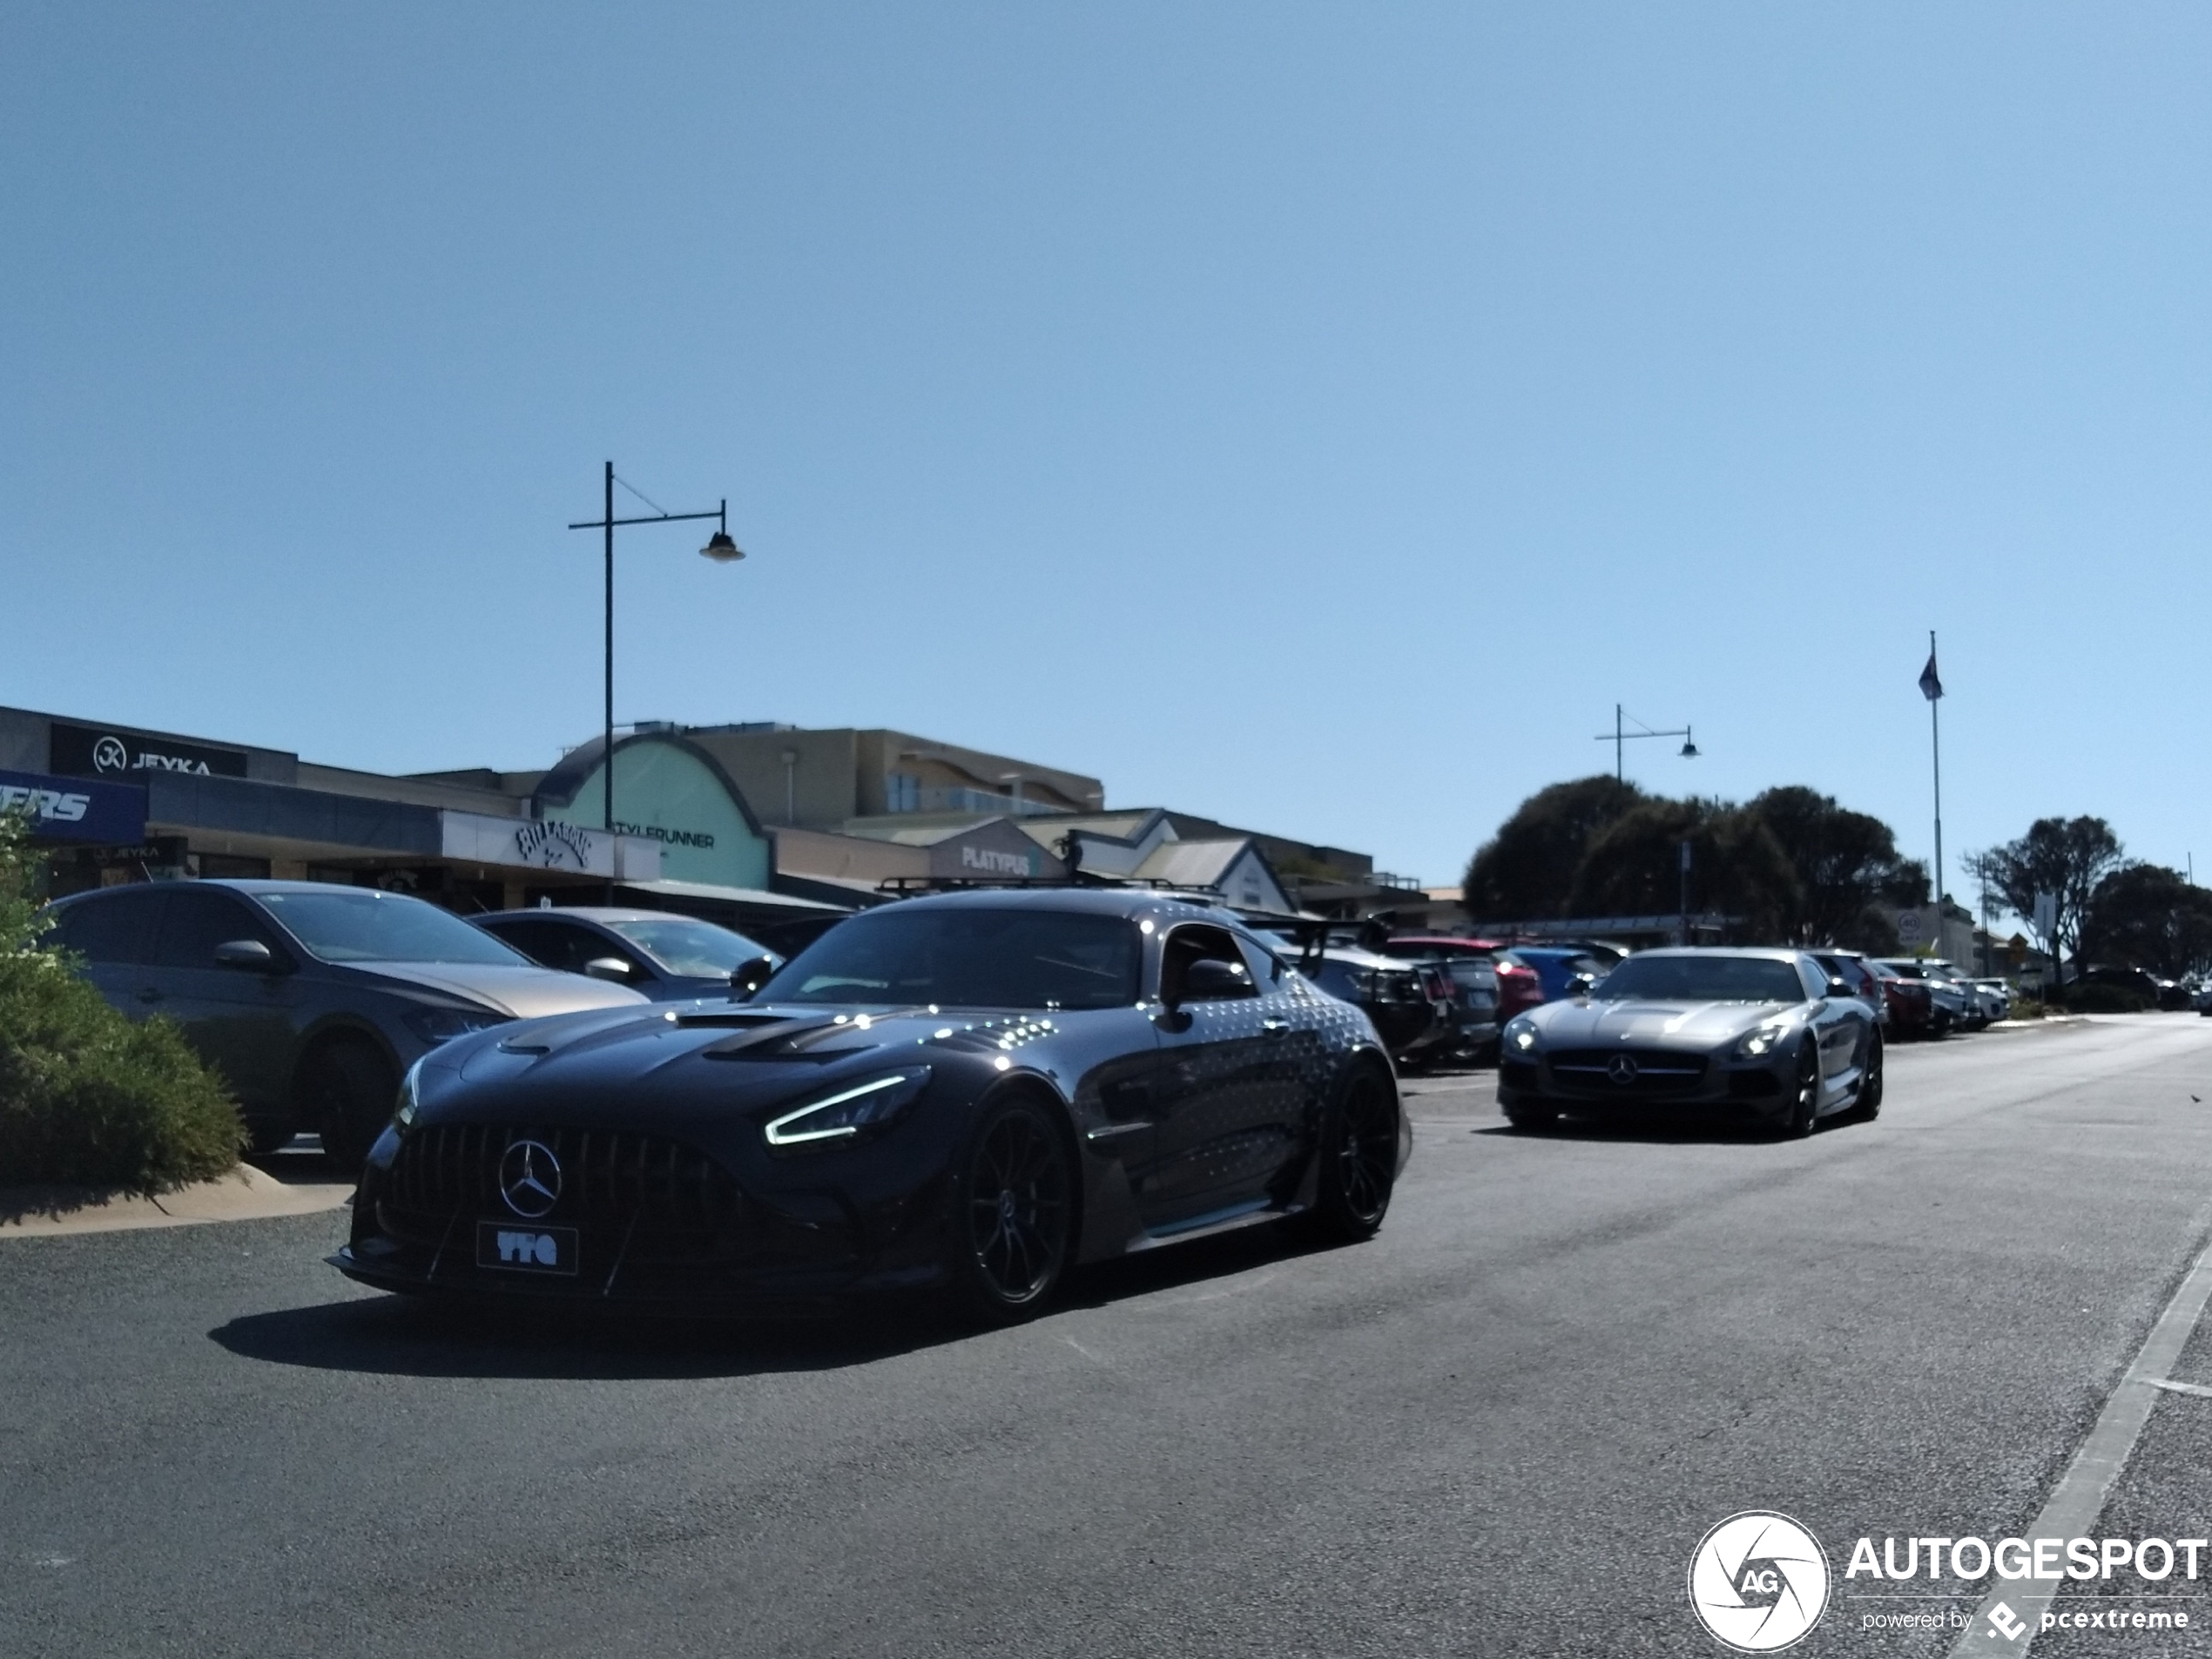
(552, 846)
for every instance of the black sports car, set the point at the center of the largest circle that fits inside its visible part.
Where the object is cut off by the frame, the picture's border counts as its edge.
(974, 1092)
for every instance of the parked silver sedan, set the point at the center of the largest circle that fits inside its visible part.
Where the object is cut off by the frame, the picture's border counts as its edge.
(1766, 1035)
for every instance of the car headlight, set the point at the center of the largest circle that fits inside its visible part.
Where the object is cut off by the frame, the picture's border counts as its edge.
(410, 1098)
(1519, 1034)
(842, 1116)
(1757, 1045)
(442, 1025)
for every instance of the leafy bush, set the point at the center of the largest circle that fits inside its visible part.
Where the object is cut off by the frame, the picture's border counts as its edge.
(88, 1097)
(2107, 999)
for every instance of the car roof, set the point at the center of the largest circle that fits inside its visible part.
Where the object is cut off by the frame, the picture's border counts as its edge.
(599, 913)
(1739, 953)
(250, 886)
(1131, 903)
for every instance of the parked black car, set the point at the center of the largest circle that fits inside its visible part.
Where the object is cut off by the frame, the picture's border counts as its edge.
(668, 958)
(972, 1091)
(311, 999)
(1470, 966)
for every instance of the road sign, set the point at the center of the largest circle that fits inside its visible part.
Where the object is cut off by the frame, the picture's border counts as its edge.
(2046, 913)
(1908, 927)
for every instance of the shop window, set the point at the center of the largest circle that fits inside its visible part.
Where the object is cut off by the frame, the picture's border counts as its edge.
(903, 792)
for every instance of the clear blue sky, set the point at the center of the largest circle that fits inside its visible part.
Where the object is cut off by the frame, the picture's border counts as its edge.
(1315, 417)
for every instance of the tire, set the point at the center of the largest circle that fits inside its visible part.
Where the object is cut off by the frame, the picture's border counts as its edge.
(350, 1091)
(1870, 1086)
(1532, 1119)
(264, 1138)
(1358, 1158)
(1013, 1225)
(1805, 1112)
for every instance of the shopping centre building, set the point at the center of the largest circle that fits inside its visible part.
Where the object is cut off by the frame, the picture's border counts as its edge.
(771, 828)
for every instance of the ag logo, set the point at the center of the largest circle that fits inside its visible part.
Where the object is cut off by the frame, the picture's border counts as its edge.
(109, 755)
(1758, 1581)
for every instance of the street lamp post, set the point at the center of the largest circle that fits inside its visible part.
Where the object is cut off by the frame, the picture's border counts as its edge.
(1620, 738)
(719, 548)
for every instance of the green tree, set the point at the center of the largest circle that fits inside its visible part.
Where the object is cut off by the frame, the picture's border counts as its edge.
(2145, 915)
(1526, 871)
(1845, 863)
(87, 1097)
(1737, 867)
(2064, 857)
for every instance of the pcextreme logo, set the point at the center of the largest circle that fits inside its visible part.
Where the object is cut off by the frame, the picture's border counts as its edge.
(1758, 1581)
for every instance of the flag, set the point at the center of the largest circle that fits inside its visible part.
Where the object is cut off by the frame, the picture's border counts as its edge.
(1931, 687)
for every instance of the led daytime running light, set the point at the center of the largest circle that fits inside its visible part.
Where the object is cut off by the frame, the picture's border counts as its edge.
(781, 1132)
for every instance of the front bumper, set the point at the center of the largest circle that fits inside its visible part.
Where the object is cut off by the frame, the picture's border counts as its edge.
(1660, 1081)
(646, 1221)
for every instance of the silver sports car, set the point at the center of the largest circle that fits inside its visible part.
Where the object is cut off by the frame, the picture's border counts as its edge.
(1766, 1035)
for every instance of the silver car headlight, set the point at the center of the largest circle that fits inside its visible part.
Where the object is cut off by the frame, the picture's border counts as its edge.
(1519, 1034)
(1758, 1045)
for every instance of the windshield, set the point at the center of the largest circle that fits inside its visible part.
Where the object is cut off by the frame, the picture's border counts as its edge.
(690, 949)
(364, 925)
(1702, 978)
(964, 958)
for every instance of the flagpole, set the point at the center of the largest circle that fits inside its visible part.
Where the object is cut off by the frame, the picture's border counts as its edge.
(1935, 747)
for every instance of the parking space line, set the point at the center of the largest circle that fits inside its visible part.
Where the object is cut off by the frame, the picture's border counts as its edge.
(2079, 1498)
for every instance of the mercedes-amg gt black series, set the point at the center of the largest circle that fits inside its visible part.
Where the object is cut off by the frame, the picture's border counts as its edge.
(974, 1091)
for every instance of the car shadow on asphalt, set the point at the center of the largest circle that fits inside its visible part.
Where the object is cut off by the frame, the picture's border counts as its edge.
(406, 1336)
(1716, 1131)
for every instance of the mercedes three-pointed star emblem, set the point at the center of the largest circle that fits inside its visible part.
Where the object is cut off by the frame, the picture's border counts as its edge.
(529, 1179)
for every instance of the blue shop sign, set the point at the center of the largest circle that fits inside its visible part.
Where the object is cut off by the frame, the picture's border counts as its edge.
(77, 809)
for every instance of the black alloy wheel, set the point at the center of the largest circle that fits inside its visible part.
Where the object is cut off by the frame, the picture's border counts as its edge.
(1014, 1229)
(1358, 1157)
(351, 1089)
(1870, 1082)
(1805, 1108)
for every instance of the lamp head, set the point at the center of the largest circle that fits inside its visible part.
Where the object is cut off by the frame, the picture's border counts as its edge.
(721, 549)
(1688, 748)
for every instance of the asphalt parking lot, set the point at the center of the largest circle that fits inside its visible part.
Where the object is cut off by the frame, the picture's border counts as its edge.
(1500, 1428)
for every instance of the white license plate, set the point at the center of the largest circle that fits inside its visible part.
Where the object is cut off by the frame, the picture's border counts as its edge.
(522, 1248)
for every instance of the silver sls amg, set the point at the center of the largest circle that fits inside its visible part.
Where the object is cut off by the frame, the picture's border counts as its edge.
(1763, 1035)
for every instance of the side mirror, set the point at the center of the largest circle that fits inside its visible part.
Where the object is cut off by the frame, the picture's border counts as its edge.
(612, 968)
(1581, 985)
(1210, 979)
(748, 977)
(1840, 988)
(250, 955)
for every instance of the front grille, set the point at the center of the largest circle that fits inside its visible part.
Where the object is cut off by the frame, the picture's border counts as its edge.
(608, 1179)
(1658, 1071)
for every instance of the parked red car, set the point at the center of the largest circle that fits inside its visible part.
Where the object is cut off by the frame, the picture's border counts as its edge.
(1912, 1004)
